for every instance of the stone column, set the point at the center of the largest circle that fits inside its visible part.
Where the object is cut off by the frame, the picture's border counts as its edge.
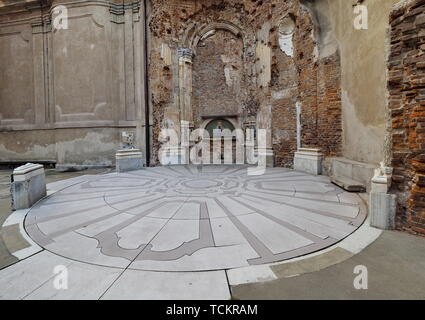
(264, 137)
(185, 84)
(185, 56)
(185, 142)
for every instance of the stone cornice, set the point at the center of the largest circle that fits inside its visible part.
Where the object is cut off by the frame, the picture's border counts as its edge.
(26, 6)
(22, 6)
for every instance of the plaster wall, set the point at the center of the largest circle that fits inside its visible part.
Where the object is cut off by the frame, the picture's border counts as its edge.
(363, 73)
(66, 95)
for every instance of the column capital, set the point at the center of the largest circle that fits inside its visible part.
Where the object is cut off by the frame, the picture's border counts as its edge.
(185, 53)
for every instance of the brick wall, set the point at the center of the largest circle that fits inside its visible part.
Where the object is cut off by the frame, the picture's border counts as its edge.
(319, 83)
(406, 87)
(303, 77)
(329, 122)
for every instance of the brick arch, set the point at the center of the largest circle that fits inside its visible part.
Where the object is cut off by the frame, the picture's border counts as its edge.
(195, 33)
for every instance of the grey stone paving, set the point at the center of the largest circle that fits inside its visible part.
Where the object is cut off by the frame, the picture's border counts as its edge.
(186, 218)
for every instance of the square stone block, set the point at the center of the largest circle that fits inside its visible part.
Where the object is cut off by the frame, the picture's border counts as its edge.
(28, 186)
(129, 160)
(308, 160)
(382, 209)
(267, 156)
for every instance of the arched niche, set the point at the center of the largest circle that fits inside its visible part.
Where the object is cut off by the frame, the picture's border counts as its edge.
(196, 33)
(218, 71)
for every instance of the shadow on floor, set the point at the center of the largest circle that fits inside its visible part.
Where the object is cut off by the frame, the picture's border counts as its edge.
(396, 270)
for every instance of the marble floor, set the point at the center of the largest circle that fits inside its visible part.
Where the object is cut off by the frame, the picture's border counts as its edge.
(182, 224)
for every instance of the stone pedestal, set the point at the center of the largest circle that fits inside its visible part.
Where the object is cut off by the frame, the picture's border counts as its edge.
(382, 209)
(265, 157)
(128, 160)
(28, 186)
(175, 156)
(382, 206)
(308, 160)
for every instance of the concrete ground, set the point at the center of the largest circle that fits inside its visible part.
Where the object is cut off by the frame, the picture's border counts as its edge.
(396, 270)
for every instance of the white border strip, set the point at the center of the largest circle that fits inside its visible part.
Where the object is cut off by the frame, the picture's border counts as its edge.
(354, 243)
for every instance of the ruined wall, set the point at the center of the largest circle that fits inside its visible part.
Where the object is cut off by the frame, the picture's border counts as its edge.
(218, 83)
(258, 62)
(67, 94)
(363, 56)
(406, 87)
(247, 56)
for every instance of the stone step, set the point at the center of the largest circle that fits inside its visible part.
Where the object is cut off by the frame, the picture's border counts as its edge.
(348, 184)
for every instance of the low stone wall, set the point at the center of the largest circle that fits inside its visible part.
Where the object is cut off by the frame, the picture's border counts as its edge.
(28, 186)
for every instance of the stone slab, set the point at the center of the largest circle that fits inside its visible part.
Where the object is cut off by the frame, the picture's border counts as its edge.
(28, 186)
(348, 184)
(144, 285)
(85, 282)
(21, 279)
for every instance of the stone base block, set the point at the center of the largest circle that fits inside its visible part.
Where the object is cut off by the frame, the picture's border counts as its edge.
(382, 209)
(28, 186)
(266, 156)
(175, 156)
(308, 160)
(129, 160)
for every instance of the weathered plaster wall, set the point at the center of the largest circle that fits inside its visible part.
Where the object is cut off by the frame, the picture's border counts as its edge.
(363, 55)
(67, 94)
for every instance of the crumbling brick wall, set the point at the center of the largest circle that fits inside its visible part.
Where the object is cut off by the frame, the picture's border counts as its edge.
(406, 87)
(319, 85)
(329, 122)
(218, 86)
(298, 77)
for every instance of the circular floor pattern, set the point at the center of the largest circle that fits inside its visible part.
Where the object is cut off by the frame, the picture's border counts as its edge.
(192, 218)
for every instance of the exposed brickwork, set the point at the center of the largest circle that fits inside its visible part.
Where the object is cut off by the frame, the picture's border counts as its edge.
(218, 86)
(305, 45)
(302, 78)
(407, 108)
(319, 91)
(329, 122)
